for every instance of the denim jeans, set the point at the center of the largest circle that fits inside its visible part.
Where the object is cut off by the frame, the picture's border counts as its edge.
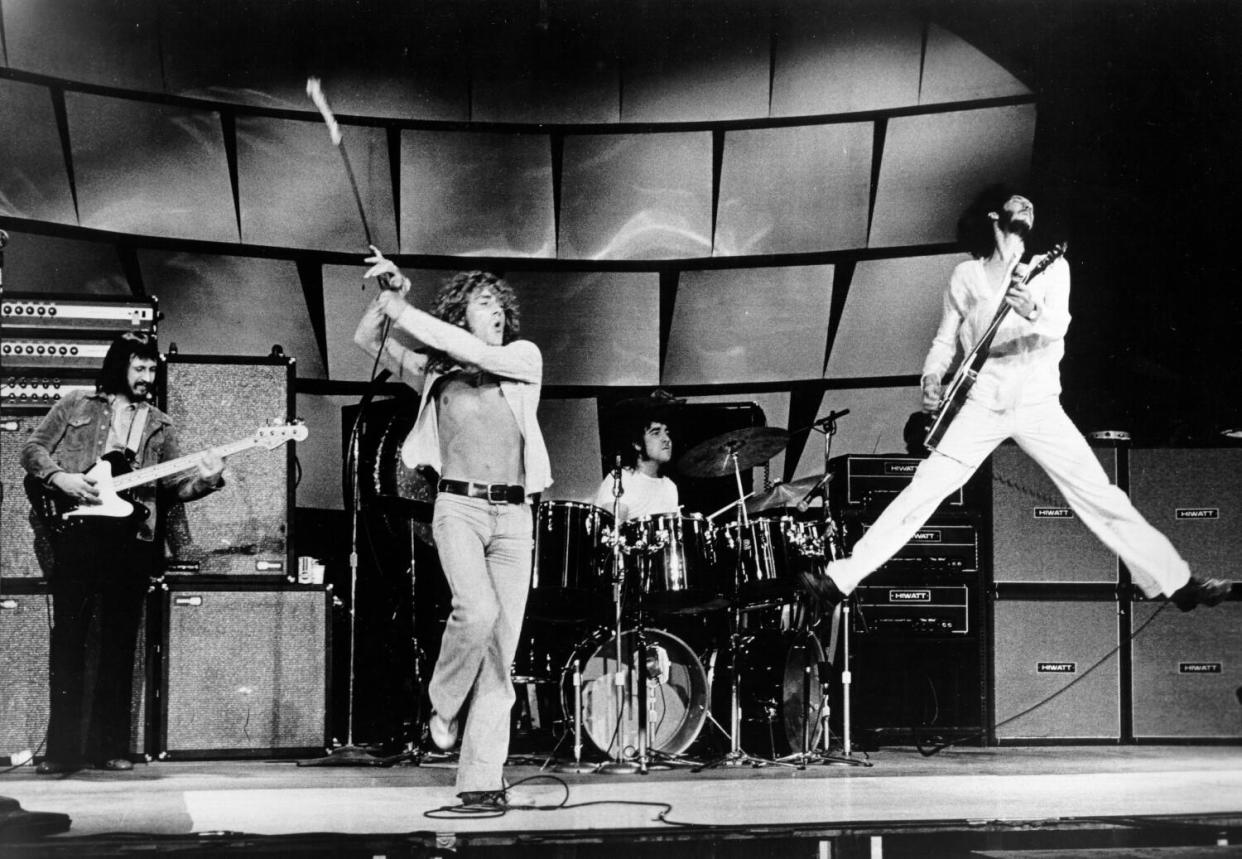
(1047, 435)
(485, 550)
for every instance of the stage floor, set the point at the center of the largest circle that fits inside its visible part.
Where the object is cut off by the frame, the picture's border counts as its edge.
(1050, 787)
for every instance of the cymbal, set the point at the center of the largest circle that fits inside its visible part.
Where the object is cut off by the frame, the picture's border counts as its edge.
(784, 494)
(638, 405)
(753, 446)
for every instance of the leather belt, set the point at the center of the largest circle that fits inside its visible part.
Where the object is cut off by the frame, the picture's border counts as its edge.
(497, 493)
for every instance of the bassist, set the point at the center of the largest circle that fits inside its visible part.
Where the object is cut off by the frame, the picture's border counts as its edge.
(1016, 395)
(102, 569)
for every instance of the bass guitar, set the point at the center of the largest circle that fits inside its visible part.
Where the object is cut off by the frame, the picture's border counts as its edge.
(954, 396)
(113, 476)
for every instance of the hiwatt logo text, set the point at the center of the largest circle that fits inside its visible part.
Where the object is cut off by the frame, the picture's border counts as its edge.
(928, 535)
(1197, 513)
(1056, 667)
(1199, 668)
(1053, 513)
(909, 596)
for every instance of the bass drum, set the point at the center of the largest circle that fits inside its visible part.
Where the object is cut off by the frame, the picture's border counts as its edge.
(775, 706)
(677, 691)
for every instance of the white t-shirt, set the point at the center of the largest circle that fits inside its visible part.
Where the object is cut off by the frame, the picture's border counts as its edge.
(641, 495)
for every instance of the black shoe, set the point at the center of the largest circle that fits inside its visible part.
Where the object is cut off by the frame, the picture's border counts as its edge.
(483, 800)
(56, 768)
(117, 765)
(821, 587)
(1199, 591)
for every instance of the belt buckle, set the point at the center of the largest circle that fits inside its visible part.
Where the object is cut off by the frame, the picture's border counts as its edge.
(497, 493)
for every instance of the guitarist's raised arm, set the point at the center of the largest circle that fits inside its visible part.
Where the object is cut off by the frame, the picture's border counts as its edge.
(1044, 302)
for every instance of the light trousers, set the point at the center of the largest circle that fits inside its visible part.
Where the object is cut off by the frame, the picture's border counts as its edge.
(485, 550)
(1047, 435)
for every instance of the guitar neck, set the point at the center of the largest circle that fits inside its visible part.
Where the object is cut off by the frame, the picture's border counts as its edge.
(174, 466)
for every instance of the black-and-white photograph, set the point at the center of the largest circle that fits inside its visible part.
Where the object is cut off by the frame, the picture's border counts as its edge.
(585, 428)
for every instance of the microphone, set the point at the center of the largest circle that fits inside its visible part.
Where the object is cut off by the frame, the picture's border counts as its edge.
(832, 416)
(806, 499)
(616, 465)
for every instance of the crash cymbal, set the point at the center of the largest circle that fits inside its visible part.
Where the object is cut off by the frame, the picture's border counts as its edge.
(784, 494)
(753, 446)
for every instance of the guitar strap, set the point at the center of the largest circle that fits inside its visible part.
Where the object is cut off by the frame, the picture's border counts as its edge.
(133, 434)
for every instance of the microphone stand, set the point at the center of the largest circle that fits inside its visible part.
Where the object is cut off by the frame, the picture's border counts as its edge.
(619, 764)
(840, 623)
(350, 755)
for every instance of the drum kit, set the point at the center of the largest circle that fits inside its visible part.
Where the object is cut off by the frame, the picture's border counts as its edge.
(638, 691)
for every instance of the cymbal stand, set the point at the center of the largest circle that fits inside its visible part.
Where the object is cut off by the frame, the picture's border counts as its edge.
(736, 756)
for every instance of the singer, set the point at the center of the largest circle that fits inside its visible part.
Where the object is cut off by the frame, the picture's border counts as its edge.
(477, 428)
(1016, 395)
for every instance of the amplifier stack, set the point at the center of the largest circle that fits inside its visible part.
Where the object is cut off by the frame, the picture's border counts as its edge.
(53, 344)
(919, 620)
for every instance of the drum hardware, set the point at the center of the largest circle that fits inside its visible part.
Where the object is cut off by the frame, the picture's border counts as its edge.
(717, 457)
(577, 766)
(831, 548)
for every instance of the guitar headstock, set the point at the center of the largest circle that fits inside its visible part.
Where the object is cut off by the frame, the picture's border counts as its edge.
(272, 437)
(1058, 251)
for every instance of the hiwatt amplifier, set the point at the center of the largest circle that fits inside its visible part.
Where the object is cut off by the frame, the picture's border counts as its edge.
(26, 394)
(870, 481)
(26, 313)
(940, 547)
(32, 353)
(903, 610)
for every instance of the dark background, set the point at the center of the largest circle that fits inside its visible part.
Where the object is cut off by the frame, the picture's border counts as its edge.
(1135, 165)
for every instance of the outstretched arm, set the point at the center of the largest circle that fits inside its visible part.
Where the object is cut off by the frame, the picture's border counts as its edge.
(520, 360)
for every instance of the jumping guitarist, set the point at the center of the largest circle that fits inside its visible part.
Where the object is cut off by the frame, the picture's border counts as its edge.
(1016, 394)
(101, 568)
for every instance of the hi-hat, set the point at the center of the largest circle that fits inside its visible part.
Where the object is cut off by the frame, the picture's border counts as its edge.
(785, 494)
(752, 446)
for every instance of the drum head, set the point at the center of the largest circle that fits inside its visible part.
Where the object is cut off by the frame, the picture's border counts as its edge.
(676, 691)
(775, 704)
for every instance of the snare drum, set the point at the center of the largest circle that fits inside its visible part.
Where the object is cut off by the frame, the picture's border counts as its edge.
(766, 558)
(676, 691)
(672, 562)
(569, 575)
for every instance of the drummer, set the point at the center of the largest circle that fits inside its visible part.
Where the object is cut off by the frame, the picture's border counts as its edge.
(645, 491)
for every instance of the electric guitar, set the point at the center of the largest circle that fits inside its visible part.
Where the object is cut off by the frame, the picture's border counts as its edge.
(954, 396)
(112, 475)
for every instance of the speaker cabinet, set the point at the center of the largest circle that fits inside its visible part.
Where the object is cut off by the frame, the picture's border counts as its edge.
(24, 548)
(245, 528)
(25, 634)
(245, 671)
(25, 623)
(1035, 536)
(1193, 496)
(1187, 672)
(1050, 647)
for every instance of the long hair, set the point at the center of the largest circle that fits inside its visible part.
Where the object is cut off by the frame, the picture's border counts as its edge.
(455, 294)
(113, 376)
(974, 227)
